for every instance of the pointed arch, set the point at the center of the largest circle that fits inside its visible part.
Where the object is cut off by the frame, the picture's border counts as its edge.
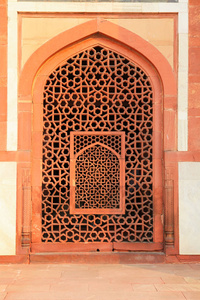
(86, 30)
(99, 144)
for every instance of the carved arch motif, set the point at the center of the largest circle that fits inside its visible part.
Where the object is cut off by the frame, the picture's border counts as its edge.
(97, 172)
(43, 62)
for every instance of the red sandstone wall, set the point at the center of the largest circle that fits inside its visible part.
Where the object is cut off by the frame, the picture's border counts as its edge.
(194, 84)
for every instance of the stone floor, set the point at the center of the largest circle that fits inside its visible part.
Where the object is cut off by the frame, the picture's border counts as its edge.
(100, 282)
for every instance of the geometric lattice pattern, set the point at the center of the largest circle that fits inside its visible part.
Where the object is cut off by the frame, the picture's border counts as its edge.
(97, 172)
(98, 90)
(97, 179)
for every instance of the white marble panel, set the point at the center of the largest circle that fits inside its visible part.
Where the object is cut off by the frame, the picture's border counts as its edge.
(189, 171)
(189, 208)
(8, 173)
(183, 22)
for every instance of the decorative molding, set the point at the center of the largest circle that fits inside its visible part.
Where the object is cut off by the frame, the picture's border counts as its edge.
(169, 208)
(26, 211)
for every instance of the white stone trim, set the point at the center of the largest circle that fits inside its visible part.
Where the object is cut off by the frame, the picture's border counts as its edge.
(183, 82)
(28, 6)
(12, 124)
(181, 8)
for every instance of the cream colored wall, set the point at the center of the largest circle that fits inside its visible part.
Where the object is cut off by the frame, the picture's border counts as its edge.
(36, 31)
(8, 174)
(158, 32)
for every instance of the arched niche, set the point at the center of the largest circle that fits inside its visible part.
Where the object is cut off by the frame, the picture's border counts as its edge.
(130, 46)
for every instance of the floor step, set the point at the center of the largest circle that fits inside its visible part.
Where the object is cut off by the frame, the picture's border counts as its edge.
(99, 258)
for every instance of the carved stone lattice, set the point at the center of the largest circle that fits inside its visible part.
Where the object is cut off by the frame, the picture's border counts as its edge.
(101, 181)
(97, 182)
(98, 90)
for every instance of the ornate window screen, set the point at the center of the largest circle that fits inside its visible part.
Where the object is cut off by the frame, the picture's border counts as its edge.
(97, 172)
(97, 90)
